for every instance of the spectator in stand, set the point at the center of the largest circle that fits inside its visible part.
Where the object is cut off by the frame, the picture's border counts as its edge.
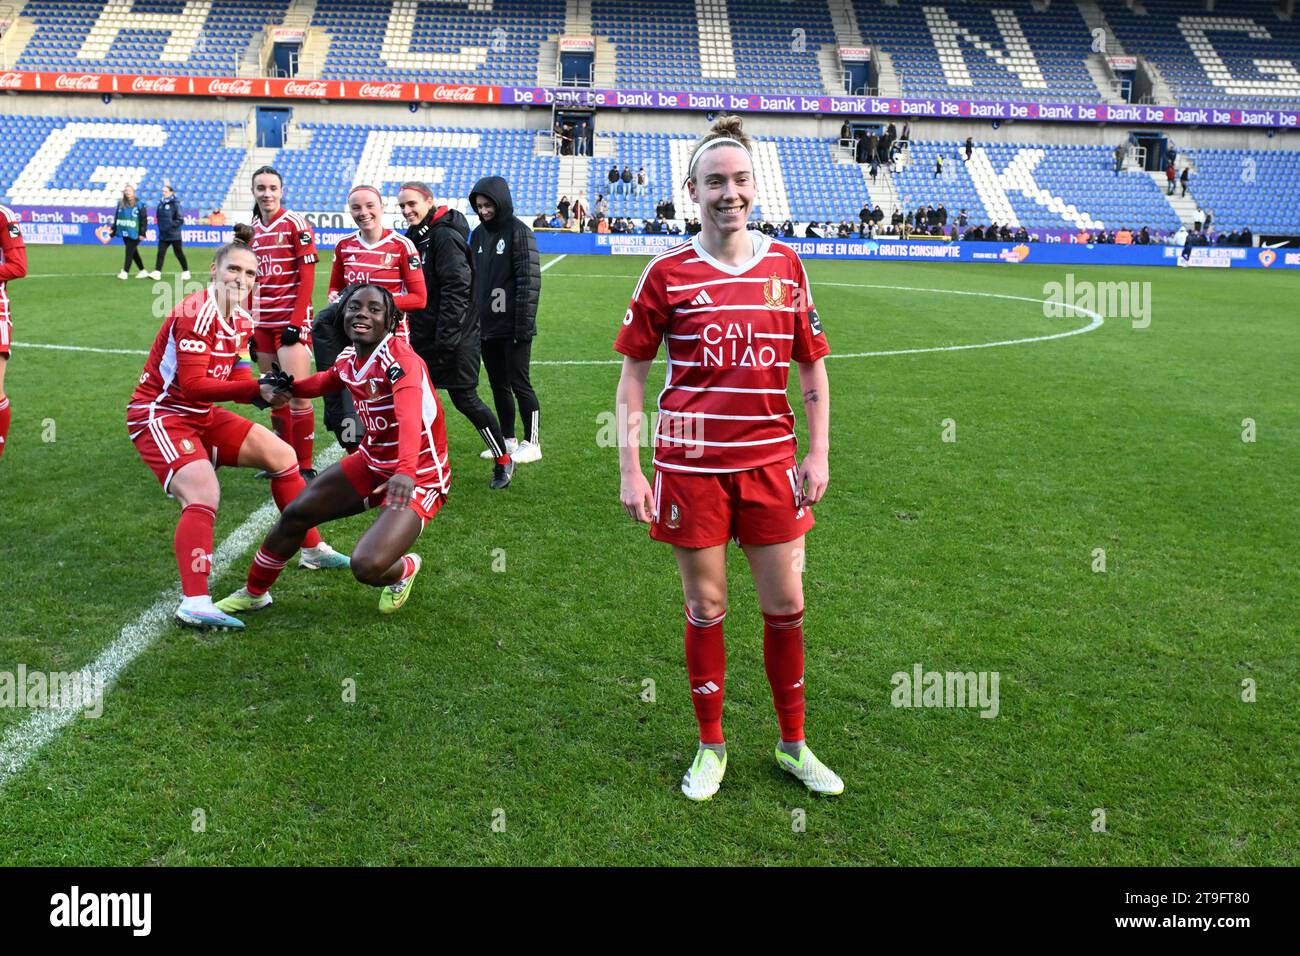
(582, 139)
(613, 178)
(1022, 235)
(877, 216)
(1171, 177)
(670, 209)
(1123, 237)
(970, 147)
(1209, 220)
(810, 231)
(562, 207)
(1143, 238)
(539, 221)
(1247, 237)
(861, 151)
(875, 167)
(896, 220)
(962, 219)
(787, 230)
(130, 222)
(642, 182)
(846, 131)
(218, 218)
(1119, 158)
(693, 226)
(864, 213)
(601, 207)
(1183, 179)
(907, 131)
(1005, 233)
(938, 166)
(602, 225)
(580, 213)
(625, 180)
(170, 220)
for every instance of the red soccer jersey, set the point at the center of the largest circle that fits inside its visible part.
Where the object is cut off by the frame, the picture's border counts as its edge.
(391, 387)
(729, 333)
(13, 257)
(393, 263)
(190, 364)
(286, 269)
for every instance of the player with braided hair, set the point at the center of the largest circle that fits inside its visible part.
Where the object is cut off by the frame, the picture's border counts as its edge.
(402, 463)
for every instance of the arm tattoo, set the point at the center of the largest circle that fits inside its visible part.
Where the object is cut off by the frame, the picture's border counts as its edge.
(811, 396)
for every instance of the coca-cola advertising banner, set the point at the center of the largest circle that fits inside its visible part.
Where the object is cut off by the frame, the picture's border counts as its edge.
(848, 106)
(260, 87)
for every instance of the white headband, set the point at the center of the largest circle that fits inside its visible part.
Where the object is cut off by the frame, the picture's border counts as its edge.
(721, 140)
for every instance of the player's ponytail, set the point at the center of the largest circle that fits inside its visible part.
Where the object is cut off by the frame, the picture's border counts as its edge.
(244, 233)
(243, 240)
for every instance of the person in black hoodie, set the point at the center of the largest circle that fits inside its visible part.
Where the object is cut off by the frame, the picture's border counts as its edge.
(445, 332)
(507, 286)
(170, 220)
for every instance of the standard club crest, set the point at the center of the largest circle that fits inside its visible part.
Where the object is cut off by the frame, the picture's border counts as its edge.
(774, 291)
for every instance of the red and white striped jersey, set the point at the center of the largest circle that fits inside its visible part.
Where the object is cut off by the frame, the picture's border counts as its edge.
(282, 248)
(13, 263)
(729, 334)
(193, 328)
(392, 262)
(377, 384)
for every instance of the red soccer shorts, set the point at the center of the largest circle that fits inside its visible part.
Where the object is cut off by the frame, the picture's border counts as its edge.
(758, 506)
(372, 486)
(170, 442)
(6, 334)
(267, 341)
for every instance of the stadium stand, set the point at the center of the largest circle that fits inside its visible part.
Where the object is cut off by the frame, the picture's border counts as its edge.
(985, 52)
(456, 43)
(84, 162)
(204, 38)
(49, 161)
(1249, 189)
(1243, 54)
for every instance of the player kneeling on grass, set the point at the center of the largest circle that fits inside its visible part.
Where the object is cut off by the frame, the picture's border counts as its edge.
(403, 457)
(182, 436)
(733, 309)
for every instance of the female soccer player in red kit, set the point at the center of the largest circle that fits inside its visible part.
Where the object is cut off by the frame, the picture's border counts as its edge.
(13, 265)
(285, 247)
(377, 254)
(732, 309)
(182, 436)
(402, 462)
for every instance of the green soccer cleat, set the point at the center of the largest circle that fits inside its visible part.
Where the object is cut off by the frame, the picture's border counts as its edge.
(322, 558)
(704, 778)
(241, 602)
(814, 774)
(394, 596)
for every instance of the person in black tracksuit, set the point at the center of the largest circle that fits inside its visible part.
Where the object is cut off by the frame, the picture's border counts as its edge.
(170, 220)
(445, 332)
(507, 286)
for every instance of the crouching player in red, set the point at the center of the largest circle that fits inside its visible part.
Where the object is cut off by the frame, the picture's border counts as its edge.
(183, 437)
(402, 462)
(732, 309)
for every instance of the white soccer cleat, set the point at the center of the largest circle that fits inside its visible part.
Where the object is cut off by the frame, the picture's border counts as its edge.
(704, 778)
(124, 274)
(142, 274)
(511, 445)
(185, 275)
(527, 451)
(322, 557)
(155, 275)
(205, 616)
(814, 774)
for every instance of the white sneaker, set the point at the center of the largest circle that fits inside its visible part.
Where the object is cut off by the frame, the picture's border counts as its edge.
(322, 556)
(124, 274)
(185, 276)
(511, 445)
(704, 778)
(155, 275)
(143, 275)
(527, 451)
(814, 774)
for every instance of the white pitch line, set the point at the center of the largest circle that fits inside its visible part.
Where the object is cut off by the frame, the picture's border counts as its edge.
(562, 256)
(1096, 322)
(23, 742)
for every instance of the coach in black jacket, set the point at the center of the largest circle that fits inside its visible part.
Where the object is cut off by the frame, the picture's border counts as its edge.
(445, 333)
(507, 286)
(170, 220)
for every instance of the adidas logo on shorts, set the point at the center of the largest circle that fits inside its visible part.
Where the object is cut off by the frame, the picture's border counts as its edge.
(702, 298)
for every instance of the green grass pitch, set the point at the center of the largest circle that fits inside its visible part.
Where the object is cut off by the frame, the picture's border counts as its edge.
(500, 719)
